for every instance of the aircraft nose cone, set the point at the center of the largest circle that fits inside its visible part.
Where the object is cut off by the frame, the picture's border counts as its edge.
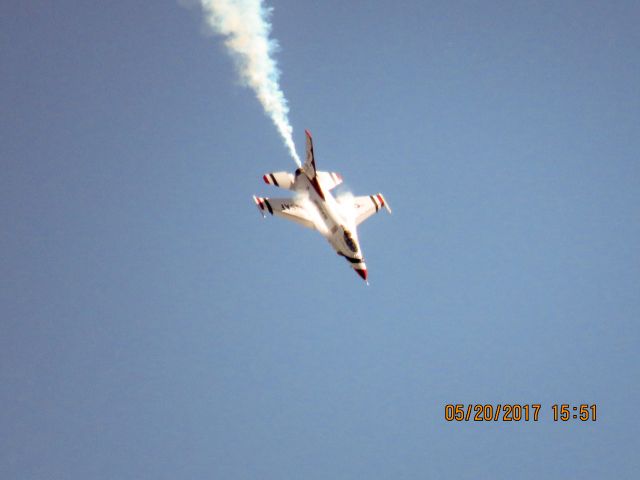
(362, 273)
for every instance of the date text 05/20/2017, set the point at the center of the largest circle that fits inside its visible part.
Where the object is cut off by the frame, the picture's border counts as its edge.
(518, 412)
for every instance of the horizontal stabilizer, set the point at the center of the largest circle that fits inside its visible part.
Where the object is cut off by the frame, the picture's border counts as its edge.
(279, 179)
(329, 180)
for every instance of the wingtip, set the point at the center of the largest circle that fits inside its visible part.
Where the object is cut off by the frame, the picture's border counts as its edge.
(308, 133)
(384, 203)
(259, 205)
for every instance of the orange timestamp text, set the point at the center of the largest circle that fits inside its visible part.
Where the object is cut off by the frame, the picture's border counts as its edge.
(516, 412)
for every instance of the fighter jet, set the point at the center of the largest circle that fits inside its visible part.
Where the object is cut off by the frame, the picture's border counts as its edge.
(314, 206)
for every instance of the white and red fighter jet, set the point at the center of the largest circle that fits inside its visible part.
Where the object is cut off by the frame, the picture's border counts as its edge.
(314, 206)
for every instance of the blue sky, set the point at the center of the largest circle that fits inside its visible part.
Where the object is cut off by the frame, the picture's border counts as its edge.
(154, 326)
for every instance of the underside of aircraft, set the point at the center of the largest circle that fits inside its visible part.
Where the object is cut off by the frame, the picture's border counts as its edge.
(314, 206)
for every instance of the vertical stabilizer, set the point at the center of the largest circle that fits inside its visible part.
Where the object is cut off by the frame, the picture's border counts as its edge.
(309, 166)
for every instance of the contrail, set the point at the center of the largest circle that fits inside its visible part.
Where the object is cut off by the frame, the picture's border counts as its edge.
(245, 25)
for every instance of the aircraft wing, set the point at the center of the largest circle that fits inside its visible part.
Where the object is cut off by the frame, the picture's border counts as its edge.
(287, 208)
(367, 205)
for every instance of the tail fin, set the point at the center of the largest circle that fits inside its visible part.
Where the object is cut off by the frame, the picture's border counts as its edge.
(309, 166)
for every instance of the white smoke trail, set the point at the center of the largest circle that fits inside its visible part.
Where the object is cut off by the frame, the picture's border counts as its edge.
(245, 25)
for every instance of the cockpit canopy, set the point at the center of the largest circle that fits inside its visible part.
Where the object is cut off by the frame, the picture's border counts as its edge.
(348, 239)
